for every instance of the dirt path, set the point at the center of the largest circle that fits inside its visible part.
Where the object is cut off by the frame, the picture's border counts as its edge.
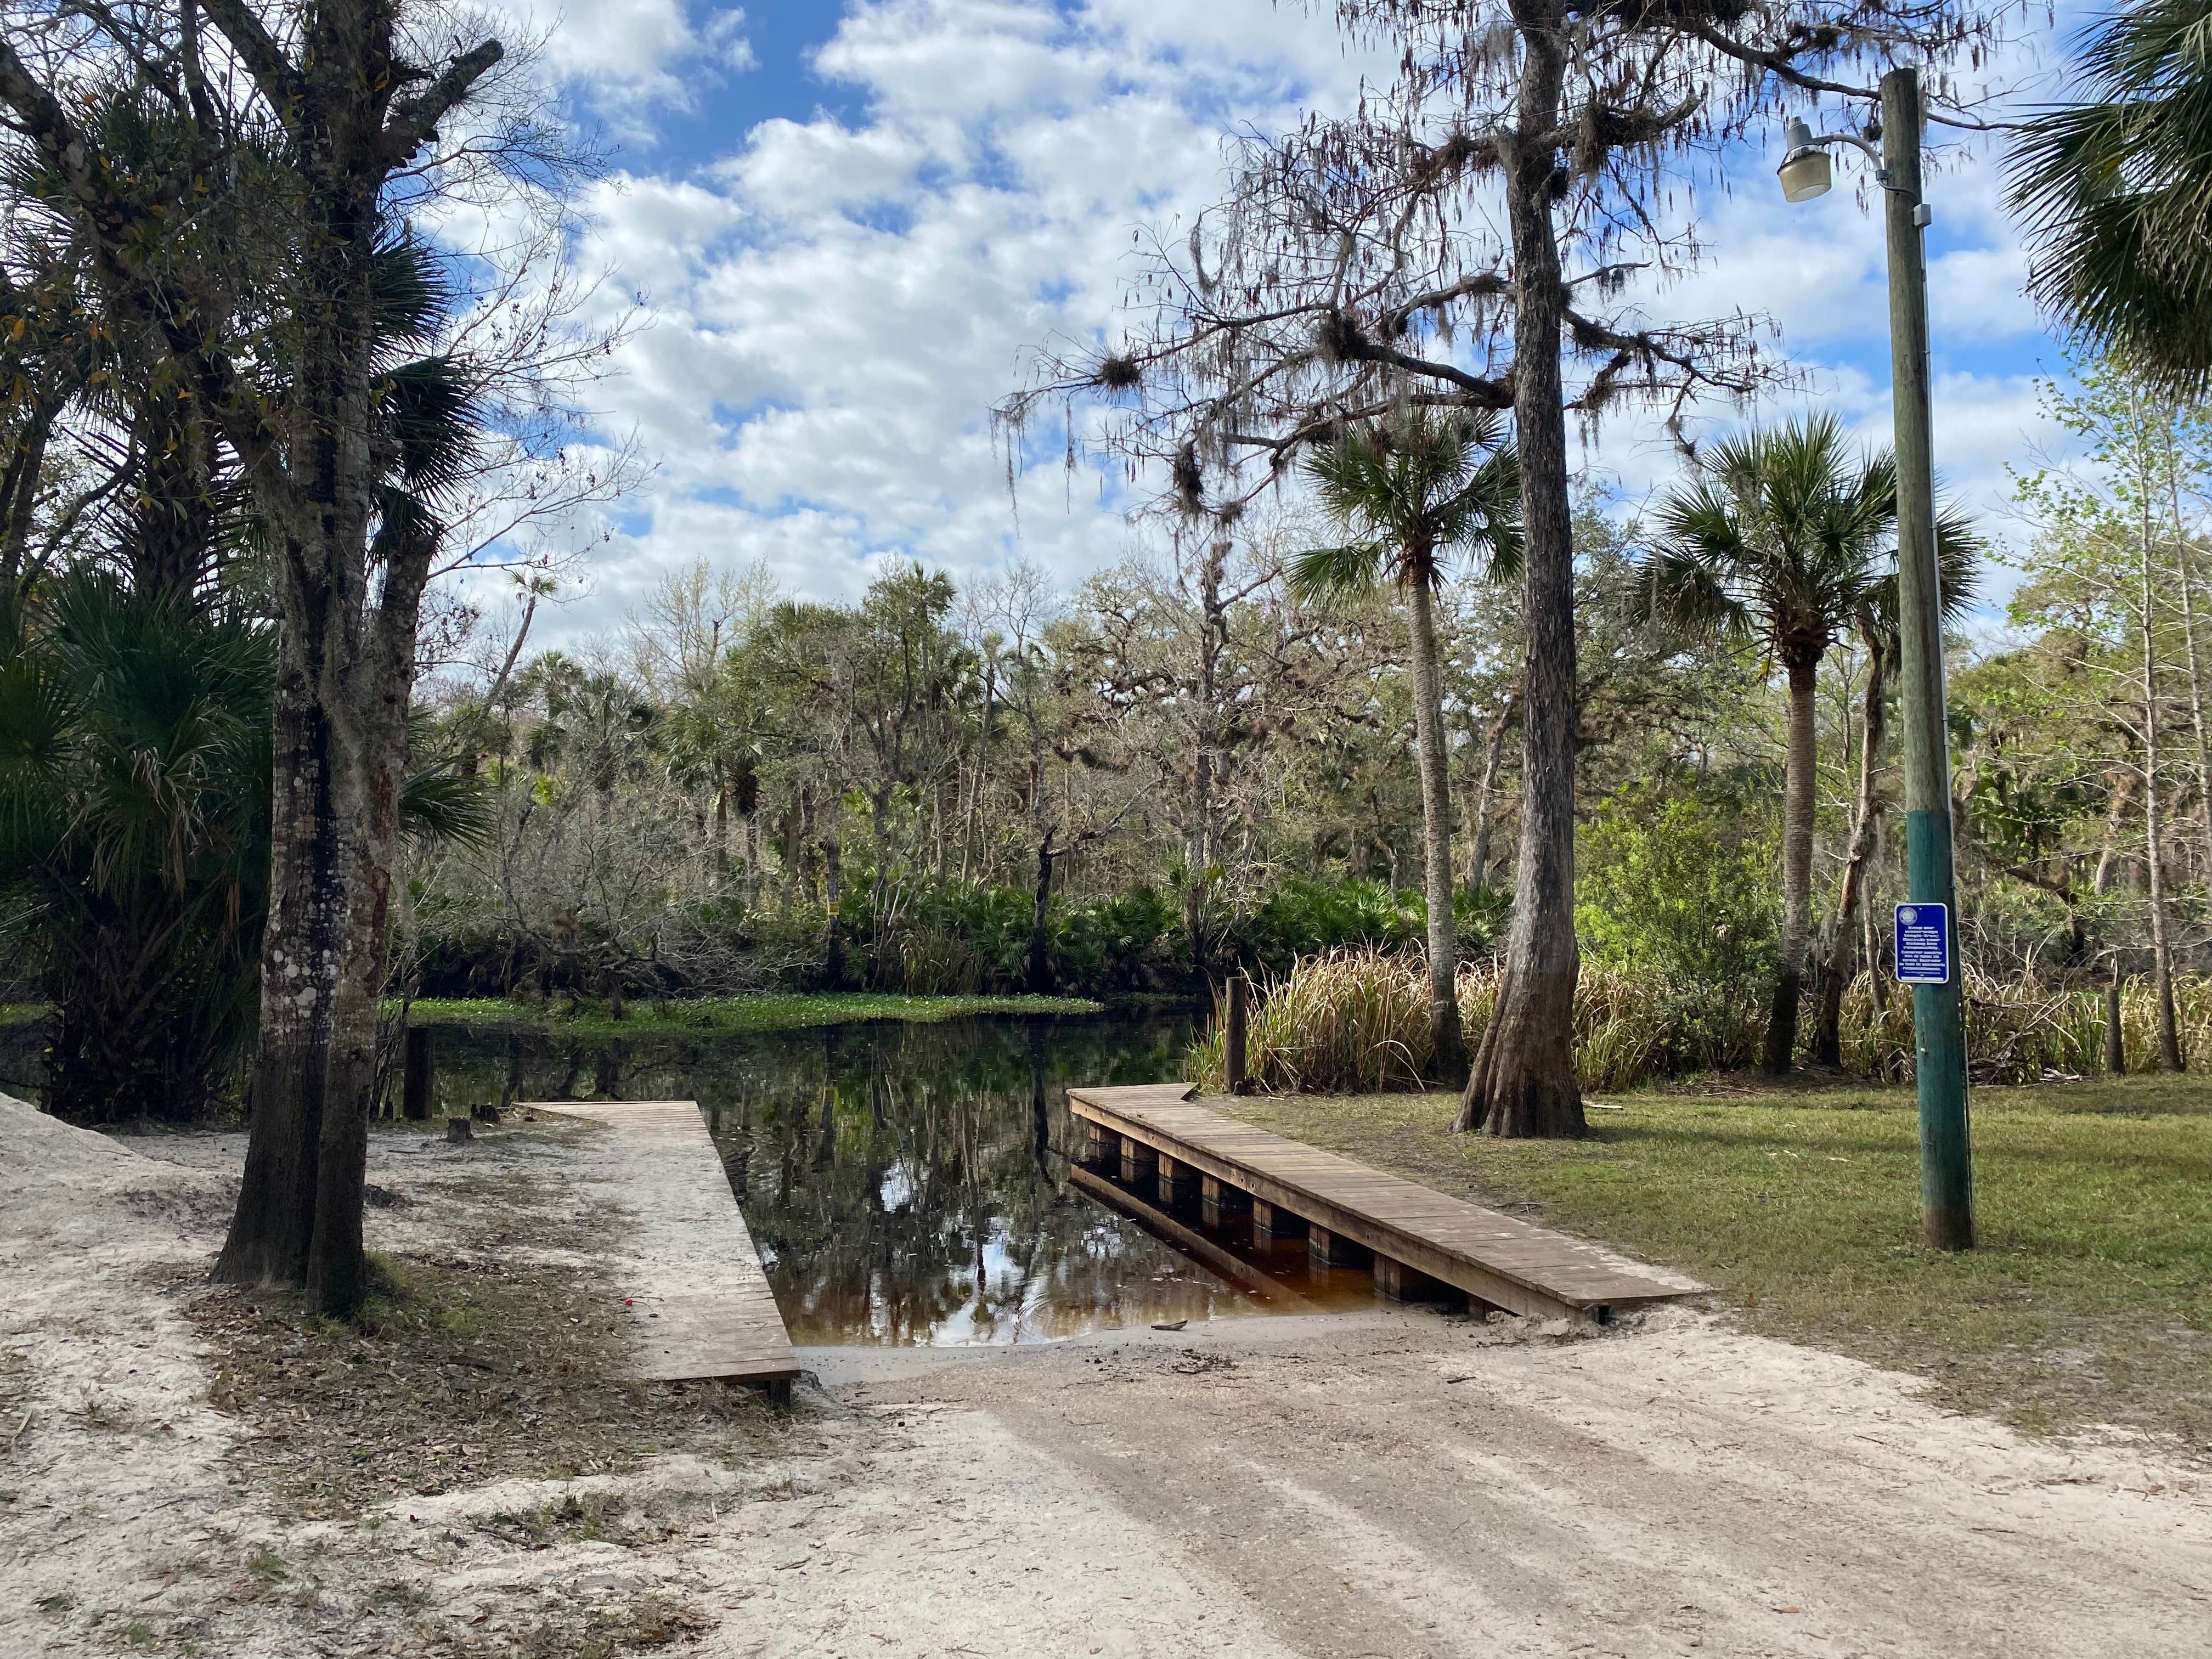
(1394, 1485)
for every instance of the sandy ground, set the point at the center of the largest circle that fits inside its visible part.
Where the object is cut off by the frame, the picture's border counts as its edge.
(1393, 1484)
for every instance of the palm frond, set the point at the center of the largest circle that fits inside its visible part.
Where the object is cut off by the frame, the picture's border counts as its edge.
(1325, 575)
(442, 804)
(2116, 194)
(430, 421)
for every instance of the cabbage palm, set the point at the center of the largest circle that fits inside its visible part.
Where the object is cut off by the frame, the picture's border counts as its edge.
(1413, 493)
(133, 834)
(2116, 192)
(1784, 539)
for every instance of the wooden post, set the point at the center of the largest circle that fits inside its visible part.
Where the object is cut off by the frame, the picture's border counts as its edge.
(418, 1070)
(1939, 1016)
(1329, 1249)
(1137, 1162)
(1233, 1040)
(1176, 1181)
(1219, 1200)
(1270, 1222)
(1396, 1281)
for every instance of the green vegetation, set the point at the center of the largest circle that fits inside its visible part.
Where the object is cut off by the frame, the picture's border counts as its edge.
(2090, 1301)
(760, 1013)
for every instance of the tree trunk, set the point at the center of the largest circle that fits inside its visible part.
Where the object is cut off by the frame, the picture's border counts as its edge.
(1866, 829)
(318, 816)
(1447, 1046)
(1037, 976)
(1213, 632)
(2108, 850)
(381, 687)
(19, 492)
(1523, 1080)
(722, 833)
(1485, 800)
(1877, 976)
(2116, 1041)
(752, 859)
(2188, 574)
(1803, 667)
(2161, 952)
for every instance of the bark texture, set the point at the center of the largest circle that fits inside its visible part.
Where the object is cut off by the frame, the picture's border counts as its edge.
(1447, 1043)
(352, 113)
(1803, 666)
(1828, 1045)
(1523, 1079)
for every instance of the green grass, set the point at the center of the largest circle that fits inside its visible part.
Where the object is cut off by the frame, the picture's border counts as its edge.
(22, 1013)
(2090, 1301)
(759, 1013)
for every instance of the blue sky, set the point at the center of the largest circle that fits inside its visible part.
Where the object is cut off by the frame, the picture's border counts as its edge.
(847, 222)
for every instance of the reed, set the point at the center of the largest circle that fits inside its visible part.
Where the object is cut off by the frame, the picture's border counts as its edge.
(1355, 1021)
(2028, 1031)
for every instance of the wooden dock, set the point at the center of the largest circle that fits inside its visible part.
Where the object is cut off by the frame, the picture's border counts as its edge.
(697, 1303)
(1418, 1239)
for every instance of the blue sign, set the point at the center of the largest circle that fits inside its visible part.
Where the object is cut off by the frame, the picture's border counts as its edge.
(1923, 944)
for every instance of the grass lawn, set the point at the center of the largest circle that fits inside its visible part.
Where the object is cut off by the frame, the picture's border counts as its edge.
(2090, 1300)
(761, 1013)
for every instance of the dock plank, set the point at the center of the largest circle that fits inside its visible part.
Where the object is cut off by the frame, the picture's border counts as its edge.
(1499, 1259)
(698, 1304)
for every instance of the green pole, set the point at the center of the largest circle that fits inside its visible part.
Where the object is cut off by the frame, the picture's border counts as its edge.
(1939, 1022)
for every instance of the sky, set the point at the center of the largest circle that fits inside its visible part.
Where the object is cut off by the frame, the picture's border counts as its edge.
(844, 227)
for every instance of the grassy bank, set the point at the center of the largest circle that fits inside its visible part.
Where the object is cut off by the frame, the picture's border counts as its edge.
(761, 1013)
(2090, 1301)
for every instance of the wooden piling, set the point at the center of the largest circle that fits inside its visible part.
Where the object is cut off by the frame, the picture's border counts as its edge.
(1175, 1182)
(1218, 1200)
(1234, 1038)
(418, 1073)
(1328, 1250)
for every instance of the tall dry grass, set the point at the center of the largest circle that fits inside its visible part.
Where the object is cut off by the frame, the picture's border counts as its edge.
(2027, 1030)
(1355, 1020)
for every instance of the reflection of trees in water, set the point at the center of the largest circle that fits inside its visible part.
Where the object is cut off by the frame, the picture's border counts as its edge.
(937, 1197)
(898, 1179)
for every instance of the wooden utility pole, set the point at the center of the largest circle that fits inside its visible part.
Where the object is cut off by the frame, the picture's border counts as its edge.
(1939, 1023)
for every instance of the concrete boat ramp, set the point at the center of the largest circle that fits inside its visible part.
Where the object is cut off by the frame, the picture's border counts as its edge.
(698, 1306)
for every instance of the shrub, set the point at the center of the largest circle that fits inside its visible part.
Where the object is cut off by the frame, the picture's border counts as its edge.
(1672, 892)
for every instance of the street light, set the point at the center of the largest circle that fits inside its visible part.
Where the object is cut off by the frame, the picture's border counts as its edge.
(1946, 1176)
(1806, 171)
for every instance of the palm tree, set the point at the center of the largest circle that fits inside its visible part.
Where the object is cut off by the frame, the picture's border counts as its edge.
(1785, 538)
(1412, 492)
(2113, 190)
(133, 834)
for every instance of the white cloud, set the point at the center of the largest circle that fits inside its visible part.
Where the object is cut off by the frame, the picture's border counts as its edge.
(631, 59)
(838, 301)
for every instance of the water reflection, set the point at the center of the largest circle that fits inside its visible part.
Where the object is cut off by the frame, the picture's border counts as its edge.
(909, 1183)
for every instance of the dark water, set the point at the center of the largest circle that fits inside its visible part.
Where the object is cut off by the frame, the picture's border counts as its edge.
(910, 1183)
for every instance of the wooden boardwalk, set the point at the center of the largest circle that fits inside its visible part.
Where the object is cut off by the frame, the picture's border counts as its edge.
(698, 1306)
(1350, 1211)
